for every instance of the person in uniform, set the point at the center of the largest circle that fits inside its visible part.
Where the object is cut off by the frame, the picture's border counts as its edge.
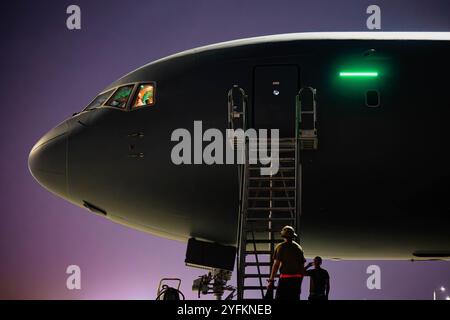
(290, 260)
(319, 285)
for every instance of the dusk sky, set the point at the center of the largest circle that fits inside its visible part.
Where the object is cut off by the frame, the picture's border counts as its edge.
(48, 73)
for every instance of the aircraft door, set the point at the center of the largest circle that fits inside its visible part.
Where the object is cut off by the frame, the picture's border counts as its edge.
(275, 89)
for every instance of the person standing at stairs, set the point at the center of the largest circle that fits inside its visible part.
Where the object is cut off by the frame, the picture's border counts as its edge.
(290, 260)
(319, 280)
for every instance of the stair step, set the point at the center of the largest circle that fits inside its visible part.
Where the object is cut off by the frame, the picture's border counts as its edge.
(268, 159)
(270, 219)
(271, 178)
(271, 209)
(281, 144)
(256, 287)
(249, 252)
(259, 230)
(250, 241)
(279, 139)
(280, 149)
(279, 169)
(271, 198)
(255, 264)
(272, 188)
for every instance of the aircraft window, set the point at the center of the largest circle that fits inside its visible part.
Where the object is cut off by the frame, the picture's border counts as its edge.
(101, 98)
(120, 97)
(145, 96)
(372, 98)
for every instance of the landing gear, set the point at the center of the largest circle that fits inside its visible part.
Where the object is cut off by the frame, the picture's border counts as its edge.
(215, 282)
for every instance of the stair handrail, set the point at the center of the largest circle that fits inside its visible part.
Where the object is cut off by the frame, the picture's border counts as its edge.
(258, 268)
(297, 172)
(233, 114)
(298, 109)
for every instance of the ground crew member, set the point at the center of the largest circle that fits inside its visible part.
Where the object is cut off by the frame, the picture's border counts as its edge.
(319, 285)
(289, 258)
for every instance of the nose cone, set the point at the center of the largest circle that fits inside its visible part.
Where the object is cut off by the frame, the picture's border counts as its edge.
(48, 161)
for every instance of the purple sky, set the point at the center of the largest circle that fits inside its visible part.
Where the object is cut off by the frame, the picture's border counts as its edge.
(49, 72)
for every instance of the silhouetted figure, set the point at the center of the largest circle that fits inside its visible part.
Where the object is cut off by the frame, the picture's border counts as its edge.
(289, 258)
(319, 286)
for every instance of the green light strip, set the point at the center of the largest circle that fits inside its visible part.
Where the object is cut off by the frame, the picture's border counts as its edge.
(358, 74)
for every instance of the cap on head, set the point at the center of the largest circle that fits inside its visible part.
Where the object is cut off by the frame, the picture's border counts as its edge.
(288, 232)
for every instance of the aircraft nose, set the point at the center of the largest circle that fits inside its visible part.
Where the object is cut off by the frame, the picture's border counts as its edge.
(47, 161)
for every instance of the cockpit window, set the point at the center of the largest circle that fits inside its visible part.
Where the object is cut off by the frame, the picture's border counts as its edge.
(120, 97)
(145, 96)
(101, 98)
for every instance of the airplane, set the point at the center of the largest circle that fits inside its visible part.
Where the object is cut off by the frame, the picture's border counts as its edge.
(377, 186)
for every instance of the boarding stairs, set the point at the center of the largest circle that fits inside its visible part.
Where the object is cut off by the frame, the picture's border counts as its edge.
(271, 200)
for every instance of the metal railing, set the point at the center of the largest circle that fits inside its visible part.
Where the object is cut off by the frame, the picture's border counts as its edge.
(237, 118)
